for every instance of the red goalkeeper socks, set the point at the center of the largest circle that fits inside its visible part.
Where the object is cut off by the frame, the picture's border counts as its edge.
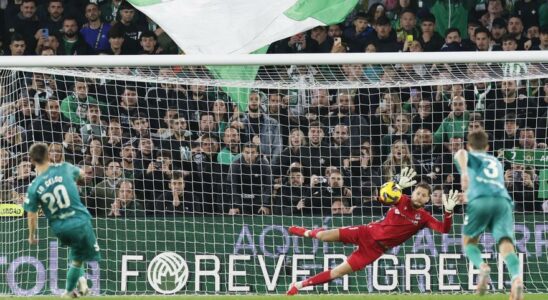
(300, 231)
(320, 278)
(315, 231)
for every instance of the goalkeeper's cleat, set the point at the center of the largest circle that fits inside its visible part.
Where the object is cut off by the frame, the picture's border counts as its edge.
(483, 279)
(82, 286)
(296, 230)
(70, 295)
(516, 293)
(293, 290)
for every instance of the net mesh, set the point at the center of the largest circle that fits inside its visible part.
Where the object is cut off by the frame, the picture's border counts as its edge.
(183, 203)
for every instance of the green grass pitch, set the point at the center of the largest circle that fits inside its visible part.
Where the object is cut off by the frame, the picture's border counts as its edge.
(311, 296)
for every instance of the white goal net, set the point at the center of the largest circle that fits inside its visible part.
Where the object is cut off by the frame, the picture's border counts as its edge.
(194, 173)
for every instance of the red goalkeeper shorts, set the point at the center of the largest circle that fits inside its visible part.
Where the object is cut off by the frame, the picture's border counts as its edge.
(368, 249)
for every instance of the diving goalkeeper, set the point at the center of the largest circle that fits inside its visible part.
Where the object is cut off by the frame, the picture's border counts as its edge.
(404, 219)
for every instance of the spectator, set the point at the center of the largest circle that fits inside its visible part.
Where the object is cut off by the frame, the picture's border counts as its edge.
(452, 40)
(145, 148)
(18, 45)
(384, 38)
(319, 34)
(94, 156)
(14, 139)
(179, 139)
(278, 110)
(515, 28)
(103, 194)
(341, 207)
(251, 182)
(323, 196)
(522, 186)
(95, 32)
(482, 38)
(292, 153)
(74, 107)
(543, 39)
(72, 43)
(454, 125)
(261, 129)
(509, 43)
(220, 110)
(528, 140)
(400, 129)
(495, 10)
(114, 139)
(357, 35)
(399, 157)
(94, 126)
(164, 96)
(231, 150)
(25, 23)
(498, 30)
(437, 199)
(316, 155)
(450, 14)
(334, 31)
(430, 39)
(424, 156)
(156, 175)
(128, 156)
(209, 182)
(451, 176)
(294, 197)
(49, 44)
(23, 176)
(375, 11)
(6, 164)
(175, 201)
(74, 147)
(208, 125)
(511, 101)
(128, 106)
(424, 117)
(54, 20)
(110, 10)
(140, 127)
(125, 204)
(148, 42)
(508, 137)
(470, 42)
(117, 42)
(364, 177)
(56, 153)
(129, 26)
(407, 26)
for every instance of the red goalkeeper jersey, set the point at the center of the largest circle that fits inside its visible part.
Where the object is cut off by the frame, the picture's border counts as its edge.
(403, 221)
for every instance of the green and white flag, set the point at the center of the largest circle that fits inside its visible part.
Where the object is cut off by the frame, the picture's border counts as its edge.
(239, 26)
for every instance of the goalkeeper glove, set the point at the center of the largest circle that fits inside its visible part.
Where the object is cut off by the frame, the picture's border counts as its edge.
(449, 201)
(405, 179)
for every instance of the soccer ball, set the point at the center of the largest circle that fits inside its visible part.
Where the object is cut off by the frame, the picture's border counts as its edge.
(390, 193)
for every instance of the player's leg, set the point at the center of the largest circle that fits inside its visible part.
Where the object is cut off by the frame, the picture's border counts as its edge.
(478, 218)
(321, 278)
(503, 232)
(321, 234)
(473, 253)
(73, 274)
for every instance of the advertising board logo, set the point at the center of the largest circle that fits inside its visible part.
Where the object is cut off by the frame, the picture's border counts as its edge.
(167, 273)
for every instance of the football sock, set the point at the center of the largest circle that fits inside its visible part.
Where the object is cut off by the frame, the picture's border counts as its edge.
(320, 278)
(474, 255)
(313, 232)
(72, 277)
(512, 263)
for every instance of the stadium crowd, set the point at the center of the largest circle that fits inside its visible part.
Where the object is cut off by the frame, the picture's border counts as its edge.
(166, 149)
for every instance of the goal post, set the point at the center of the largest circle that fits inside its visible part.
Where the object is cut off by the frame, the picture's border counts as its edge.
(193, 177)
